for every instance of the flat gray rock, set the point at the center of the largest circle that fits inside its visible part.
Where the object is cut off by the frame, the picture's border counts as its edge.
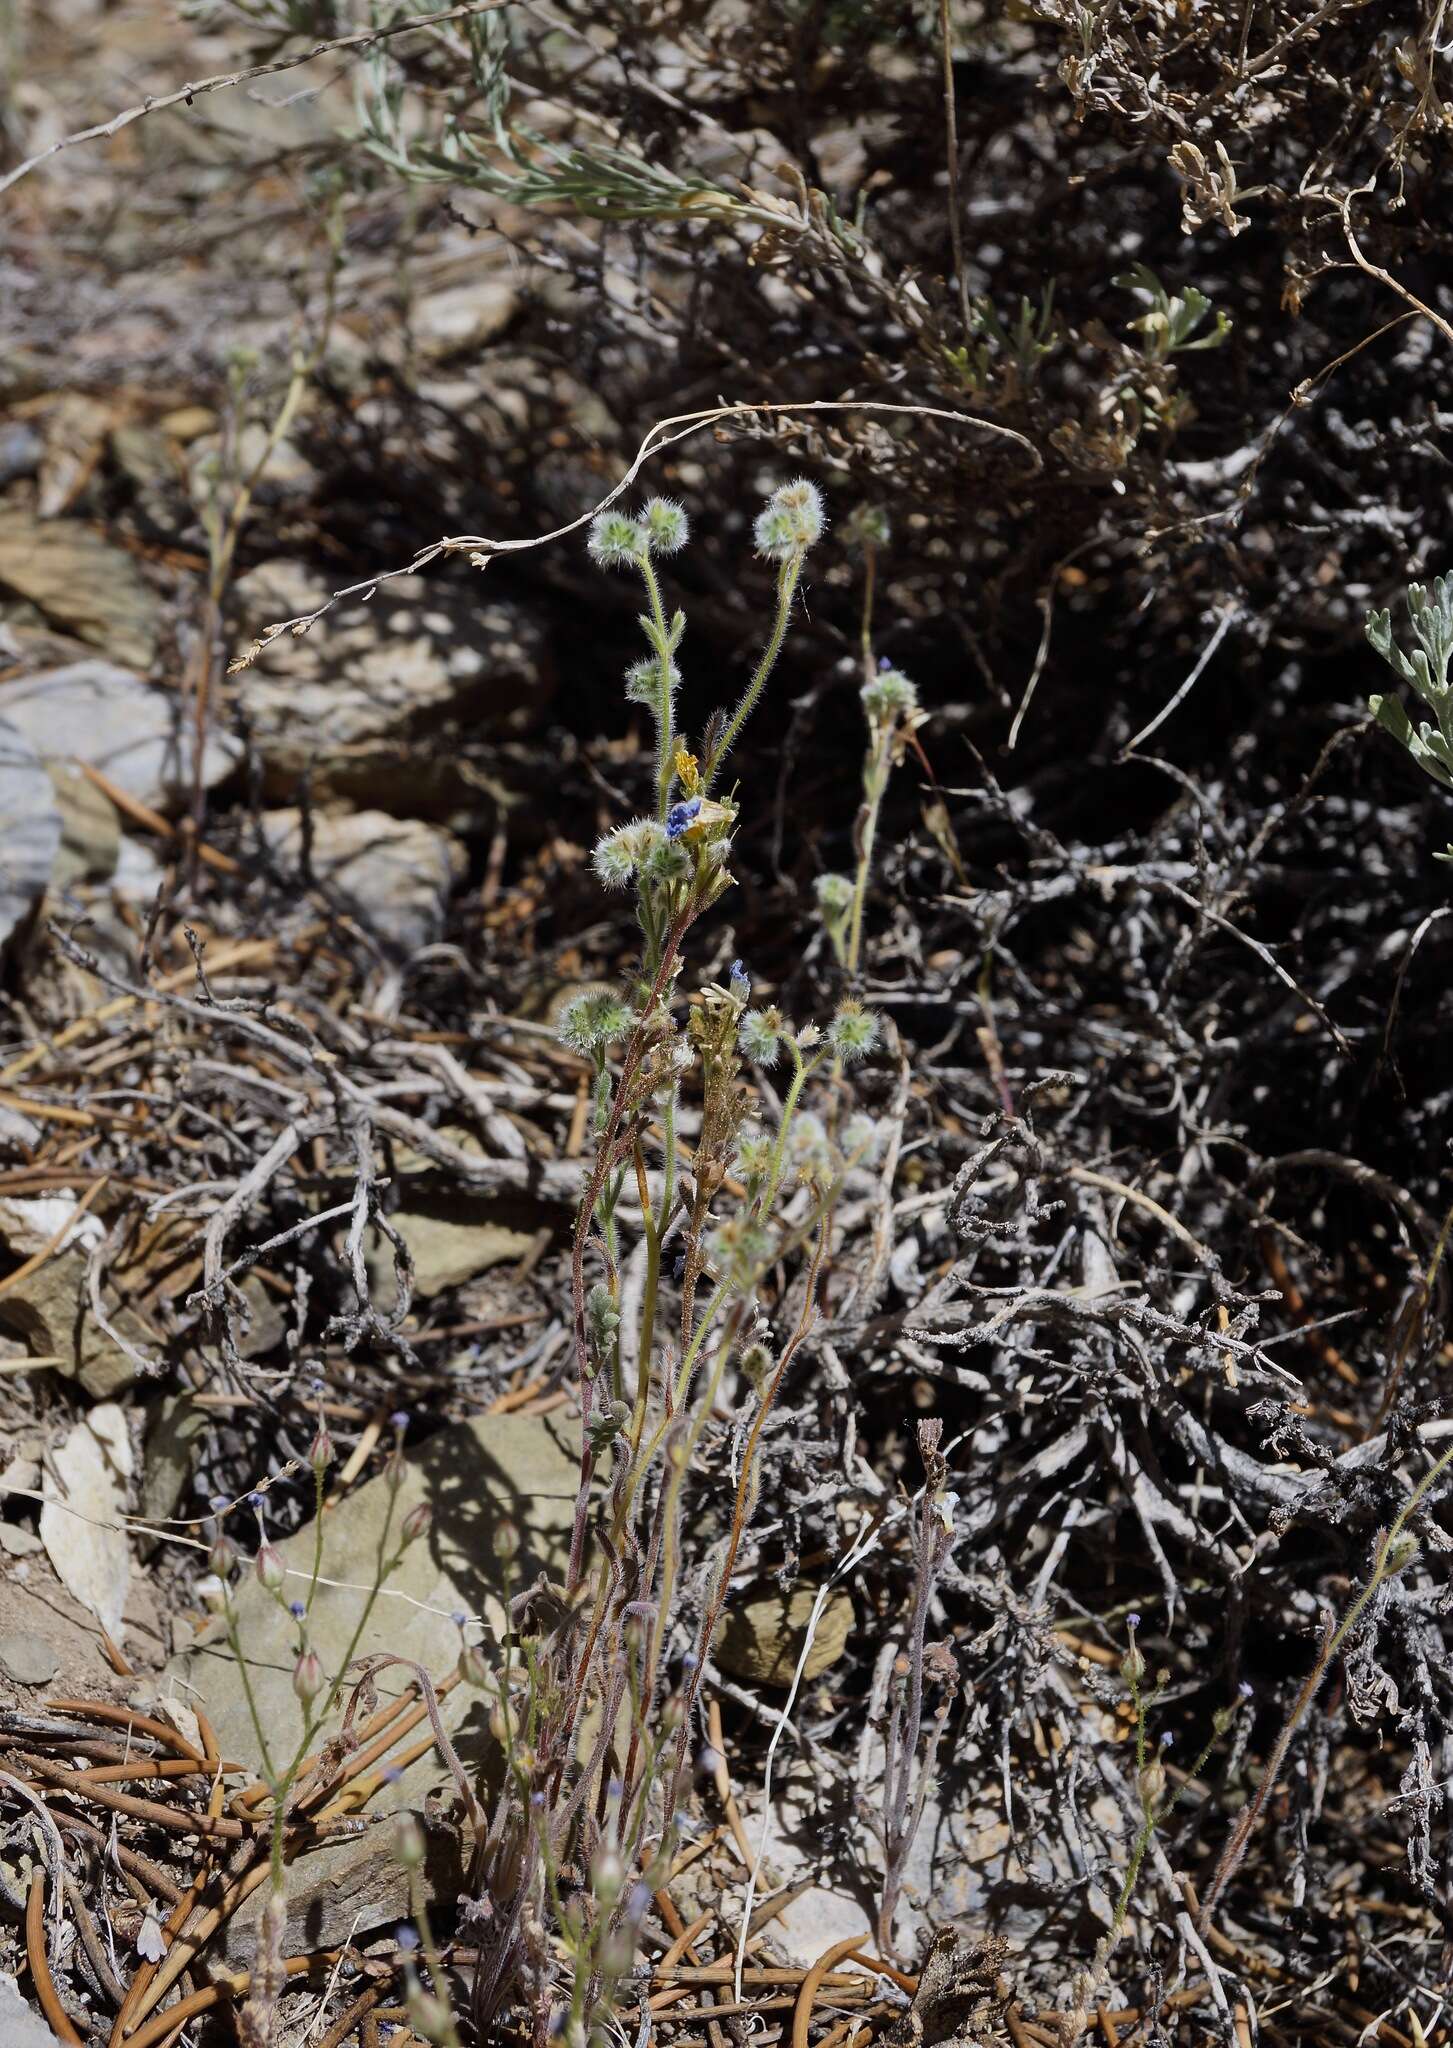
(27, 1659)
(30, 827)
(522, 1467)
(377, 701)
(395, 875)
(73, 574)
(140, 738)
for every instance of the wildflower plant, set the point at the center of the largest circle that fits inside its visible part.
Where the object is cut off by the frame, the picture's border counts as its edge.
(1430, 613)
(596, 1702)
(891, 708)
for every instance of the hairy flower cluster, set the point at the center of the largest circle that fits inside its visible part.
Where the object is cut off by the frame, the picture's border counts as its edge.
(643, 680)
(760, 1035)
(791, 522)
(867, 527)
(853, 1032)
(667, 524)
(834, 896)
(753, 1159)
(888, 696)
(619, 542)
(593, 1020)
(862, 1139)
(809, 1147)
(620, 855)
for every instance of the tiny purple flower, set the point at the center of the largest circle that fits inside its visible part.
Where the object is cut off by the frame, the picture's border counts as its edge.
(689, 1660)
(297, 1609)
(681, 815)
(390, 1774)
(1132, 1622)
(408, 1939)
(1245, 1689)
(219, 1503)
(400, 1418)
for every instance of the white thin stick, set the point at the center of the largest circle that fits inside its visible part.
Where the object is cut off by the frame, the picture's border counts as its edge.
(664, 434)
(1188, 685)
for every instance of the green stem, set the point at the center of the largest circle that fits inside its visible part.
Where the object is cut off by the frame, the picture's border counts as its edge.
(875, 781)
(317, 1539)
(786, 589)
(802, 1069)
(253, 1715)
(668, 1164)
(870, 569)
(648, 1325)
(664, 766)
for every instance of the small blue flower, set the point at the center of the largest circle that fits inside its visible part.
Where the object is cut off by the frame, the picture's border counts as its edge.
(390, 1774)
(689, 1660)
(408, 1939)
(615, 1787)
(219, 1503)
(681, 815)
(256, 1499)
(400, 1418)
(297, 1609)
(459, 1617)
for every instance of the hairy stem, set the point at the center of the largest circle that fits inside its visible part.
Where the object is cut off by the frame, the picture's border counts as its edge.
(786, 589)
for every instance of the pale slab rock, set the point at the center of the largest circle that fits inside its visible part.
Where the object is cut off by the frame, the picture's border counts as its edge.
(81, 1524)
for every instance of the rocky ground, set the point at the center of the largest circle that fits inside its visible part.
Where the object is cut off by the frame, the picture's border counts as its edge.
(288, 1136)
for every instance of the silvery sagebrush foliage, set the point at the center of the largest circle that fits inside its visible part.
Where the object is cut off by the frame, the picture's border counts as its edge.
(1430, 614)
(596, 1702)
